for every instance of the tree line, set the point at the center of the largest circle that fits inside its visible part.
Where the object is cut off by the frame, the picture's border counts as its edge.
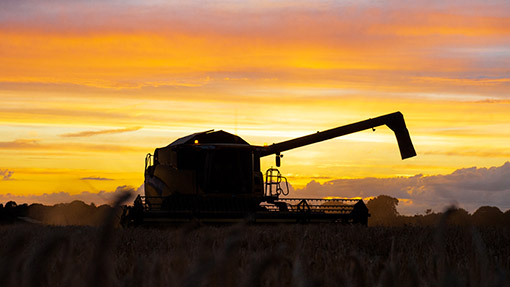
(73, 213)
(383, 210)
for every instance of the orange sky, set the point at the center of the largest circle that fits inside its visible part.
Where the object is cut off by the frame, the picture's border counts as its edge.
(89, 87)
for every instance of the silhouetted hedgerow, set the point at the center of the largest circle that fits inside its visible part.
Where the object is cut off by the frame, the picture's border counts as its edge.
(74, 213)
(383, 210)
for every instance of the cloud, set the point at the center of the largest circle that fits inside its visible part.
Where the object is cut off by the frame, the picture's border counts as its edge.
(34, 144)
(6, 174)
(485, 153)
(468, 188)
(20, 144)
(436, 48)
(93, 133)
(95, 178)
(493, 101)
(99, 198)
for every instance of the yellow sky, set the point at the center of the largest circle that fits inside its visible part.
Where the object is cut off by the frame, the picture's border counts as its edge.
(88, 88)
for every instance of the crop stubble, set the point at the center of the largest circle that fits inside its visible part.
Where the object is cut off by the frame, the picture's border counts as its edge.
(284, 255)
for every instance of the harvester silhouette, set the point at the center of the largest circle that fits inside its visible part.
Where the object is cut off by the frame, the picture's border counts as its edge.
(215, 177)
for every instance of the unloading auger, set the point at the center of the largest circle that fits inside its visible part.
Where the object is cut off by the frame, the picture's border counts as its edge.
(215, 177)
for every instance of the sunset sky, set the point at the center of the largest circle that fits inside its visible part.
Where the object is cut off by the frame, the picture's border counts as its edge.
(87, 88)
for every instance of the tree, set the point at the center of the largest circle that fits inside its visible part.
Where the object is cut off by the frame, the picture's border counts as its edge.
(383, 210)
(10, 205)
(488, 216)
(506, 216)
(459, 216)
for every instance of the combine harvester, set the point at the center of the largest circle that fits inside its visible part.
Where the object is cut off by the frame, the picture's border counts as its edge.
(215, 177)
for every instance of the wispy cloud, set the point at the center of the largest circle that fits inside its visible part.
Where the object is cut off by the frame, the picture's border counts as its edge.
(6, 174)
(20, 144)
(435, 46)
(37, 145)
(101, 132)
(95, 178)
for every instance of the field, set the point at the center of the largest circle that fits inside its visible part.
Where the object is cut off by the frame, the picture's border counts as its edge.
(240, 255)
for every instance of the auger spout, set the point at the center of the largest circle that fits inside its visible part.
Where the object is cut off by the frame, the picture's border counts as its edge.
(395, 121)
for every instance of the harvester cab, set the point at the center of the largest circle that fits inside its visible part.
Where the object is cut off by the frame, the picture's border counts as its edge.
(215, 176)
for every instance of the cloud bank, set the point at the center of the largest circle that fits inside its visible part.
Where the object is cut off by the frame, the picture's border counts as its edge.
(95, 178)
(468, 188)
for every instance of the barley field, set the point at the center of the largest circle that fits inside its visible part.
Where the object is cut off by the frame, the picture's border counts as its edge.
(254, 255)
